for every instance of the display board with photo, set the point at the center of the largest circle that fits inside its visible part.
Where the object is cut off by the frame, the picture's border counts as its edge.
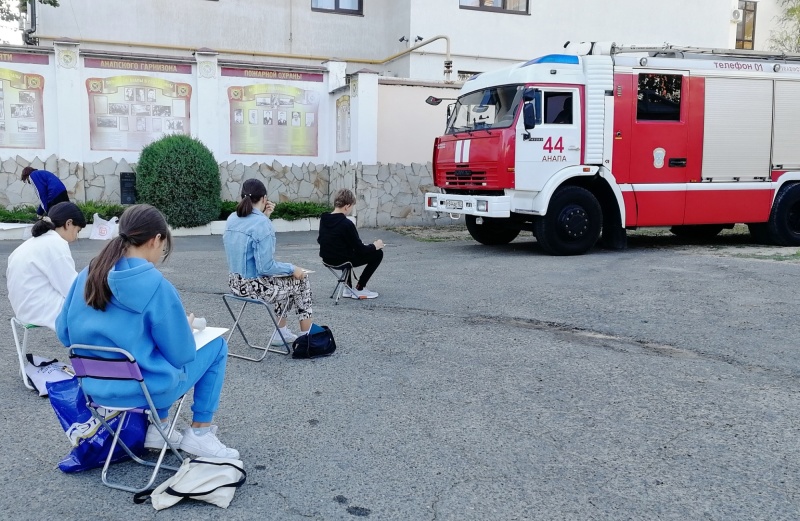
(274, 119)
(21, 110)
(128, 112)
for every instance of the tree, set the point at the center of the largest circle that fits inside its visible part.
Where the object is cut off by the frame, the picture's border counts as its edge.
(786, 37)
(10, 12)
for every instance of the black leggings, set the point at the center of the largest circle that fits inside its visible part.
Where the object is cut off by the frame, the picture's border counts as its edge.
(372, 261)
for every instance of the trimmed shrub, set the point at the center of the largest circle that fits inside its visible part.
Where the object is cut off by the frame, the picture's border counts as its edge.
(19, 214)
(104, 210)
(179, 175)
(292, 211)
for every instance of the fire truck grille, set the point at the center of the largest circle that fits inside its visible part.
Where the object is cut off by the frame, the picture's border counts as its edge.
(465, 179)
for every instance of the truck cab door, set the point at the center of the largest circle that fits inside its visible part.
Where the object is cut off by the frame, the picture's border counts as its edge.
(555, 142)
(658, 141)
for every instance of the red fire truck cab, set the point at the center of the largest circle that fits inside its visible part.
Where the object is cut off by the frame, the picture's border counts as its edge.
(575, 147)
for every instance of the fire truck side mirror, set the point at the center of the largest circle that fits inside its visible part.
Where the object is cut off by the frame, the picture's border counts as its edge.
(433, 100)
(449, 111)
(529, 115)
(530, 99)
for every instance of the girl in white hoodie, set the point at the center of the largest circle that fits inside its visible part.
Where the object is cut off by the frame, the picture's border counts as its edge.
(41, 269)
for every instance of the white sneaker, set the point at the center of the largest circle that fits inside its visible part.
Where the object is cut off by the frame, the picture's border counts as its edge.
(207, 445)
(363, 293)
(346, 293)
(287, 334)
(154, 440)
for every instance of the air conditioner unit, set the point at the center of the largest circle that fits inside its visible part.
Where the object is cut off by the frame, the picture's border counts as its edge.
(736, 16)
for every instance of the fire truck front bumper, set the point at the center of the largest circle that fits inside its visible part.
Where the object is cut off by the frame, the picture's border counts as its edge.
(478, 205)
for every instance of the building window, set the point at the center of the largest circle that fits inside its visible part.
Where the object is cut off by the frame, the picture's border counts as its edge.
(338, 6)
(507, 6)
(746, 29)
(659, 97)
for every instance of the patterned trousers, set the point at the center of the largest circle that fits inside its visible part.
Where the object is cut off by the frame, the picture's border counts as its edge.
(276, 290)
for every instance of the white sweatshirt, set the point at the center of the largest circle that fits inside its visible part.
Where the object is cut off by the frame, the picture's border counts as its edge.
(40, 273)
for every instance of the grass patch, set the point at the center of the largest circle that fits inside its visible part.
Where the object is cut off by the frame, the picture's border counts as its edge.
(18, 214)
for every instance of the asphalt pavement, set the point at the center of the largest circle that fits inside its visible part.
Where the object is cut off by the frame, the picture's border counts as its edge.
(485, 383)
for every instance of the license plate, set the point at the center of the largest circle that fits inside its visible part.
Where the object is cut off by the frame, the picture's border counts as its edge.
(454, 205)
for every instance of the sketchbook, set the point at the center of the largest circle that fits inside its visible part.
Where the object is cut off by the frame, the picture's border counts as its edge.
(204, 336)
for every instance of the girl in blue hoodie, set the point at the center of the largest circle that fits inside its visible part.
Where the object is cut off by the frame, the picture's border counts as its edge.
(122, 300)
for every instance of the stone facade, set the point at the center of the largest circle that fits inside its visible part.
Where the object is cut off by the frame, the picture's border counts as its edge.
(387, 194)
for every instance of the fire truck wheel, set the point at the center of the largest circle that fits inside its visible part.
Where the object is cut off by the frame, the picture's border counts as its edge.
(572, 223)
(491, 232)
(784, 221)
(697, 232)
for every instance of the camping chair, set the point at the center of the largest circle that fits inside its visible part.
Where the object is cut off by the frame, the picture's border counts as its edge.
(342, 272)
(22, 347)
(237, 317)
(113, 363)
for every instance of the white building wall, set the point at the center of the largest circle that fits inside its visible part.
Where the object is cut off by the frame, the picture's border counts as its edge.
(288, 31)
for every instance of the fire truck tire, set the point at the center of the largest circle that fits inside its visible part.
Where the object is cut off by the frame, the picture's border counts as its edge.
(572, 223)
(491, 232)
(784, 221)
(697, 232)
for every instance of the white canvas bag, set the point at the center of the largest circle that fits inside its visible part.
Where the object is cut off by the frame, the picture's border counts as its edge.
(213, 480)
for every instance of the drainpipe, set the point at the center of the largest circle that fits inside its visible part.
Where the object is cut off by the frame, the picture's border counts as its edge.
(26, 35)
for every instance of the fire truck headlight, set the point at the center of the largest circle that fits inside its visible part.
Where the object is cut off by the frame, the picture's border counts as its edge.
(431, 201)
(483, 206)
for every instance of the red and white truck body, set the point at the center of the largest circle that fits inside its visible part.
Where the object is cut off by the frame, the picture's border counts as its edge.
(571, 146)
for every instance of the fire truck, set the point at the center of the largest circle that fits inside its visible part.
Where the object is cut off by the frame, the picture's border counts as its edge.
(581, 147)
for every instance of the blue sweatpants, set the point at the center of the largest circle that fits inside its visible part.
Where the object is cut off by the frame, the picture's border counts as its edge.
(206, 374)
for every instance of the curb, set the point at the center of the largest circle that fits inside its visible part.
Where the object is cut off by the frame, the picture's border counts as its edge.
(18, 232)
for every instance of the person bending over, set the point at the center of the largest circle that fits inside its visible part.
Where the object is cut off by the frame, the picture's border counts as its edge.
(339, 243)
(41, 270)
(122, 300)
(249, 240)
(49, 188)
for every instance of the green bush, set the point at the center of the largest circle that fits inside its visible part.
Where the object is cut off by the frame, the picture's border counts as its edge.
(19, 214)
(292, 211)
(179, 175)
(27, 214)
(104, 210)
(228, 207)
(288, 210)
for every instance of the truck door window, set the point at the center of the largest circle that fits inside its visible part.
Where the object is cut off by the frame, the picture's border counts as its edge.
(659, 97)
(558, 108)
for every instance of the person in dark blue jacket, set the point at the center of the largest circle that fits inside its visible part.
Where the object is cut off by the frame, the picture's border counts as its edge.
(49, 188)
(122, 300)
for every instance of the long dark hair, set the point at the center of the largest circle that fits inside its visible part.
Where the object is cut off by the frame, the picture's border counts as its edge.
(137, 225)
(57, 217)
(26, 173)
(252, 192)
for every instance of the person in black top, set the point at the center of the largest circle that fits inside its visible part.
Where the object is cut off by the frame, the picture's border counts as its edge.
(339, 243)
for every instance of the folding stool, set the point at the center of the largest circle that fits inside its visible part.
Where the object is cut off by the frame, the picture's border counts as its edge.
(113, 363)
(342, 272)
(22, 348)
(236, 325)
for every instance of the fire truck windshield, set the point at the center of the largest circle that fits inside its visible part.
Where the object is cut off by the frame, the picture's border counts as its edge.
(495, 107)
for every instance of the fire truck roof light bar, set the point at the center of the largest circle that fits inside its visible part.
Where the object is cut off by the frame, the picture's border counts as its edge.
(679, 52)
(554, 58)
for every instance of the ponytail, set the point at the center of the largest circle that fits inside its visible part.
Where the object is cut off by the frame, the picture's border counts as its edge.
(137, 225)
(97, 292)
(42, 226)
(252, 192)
